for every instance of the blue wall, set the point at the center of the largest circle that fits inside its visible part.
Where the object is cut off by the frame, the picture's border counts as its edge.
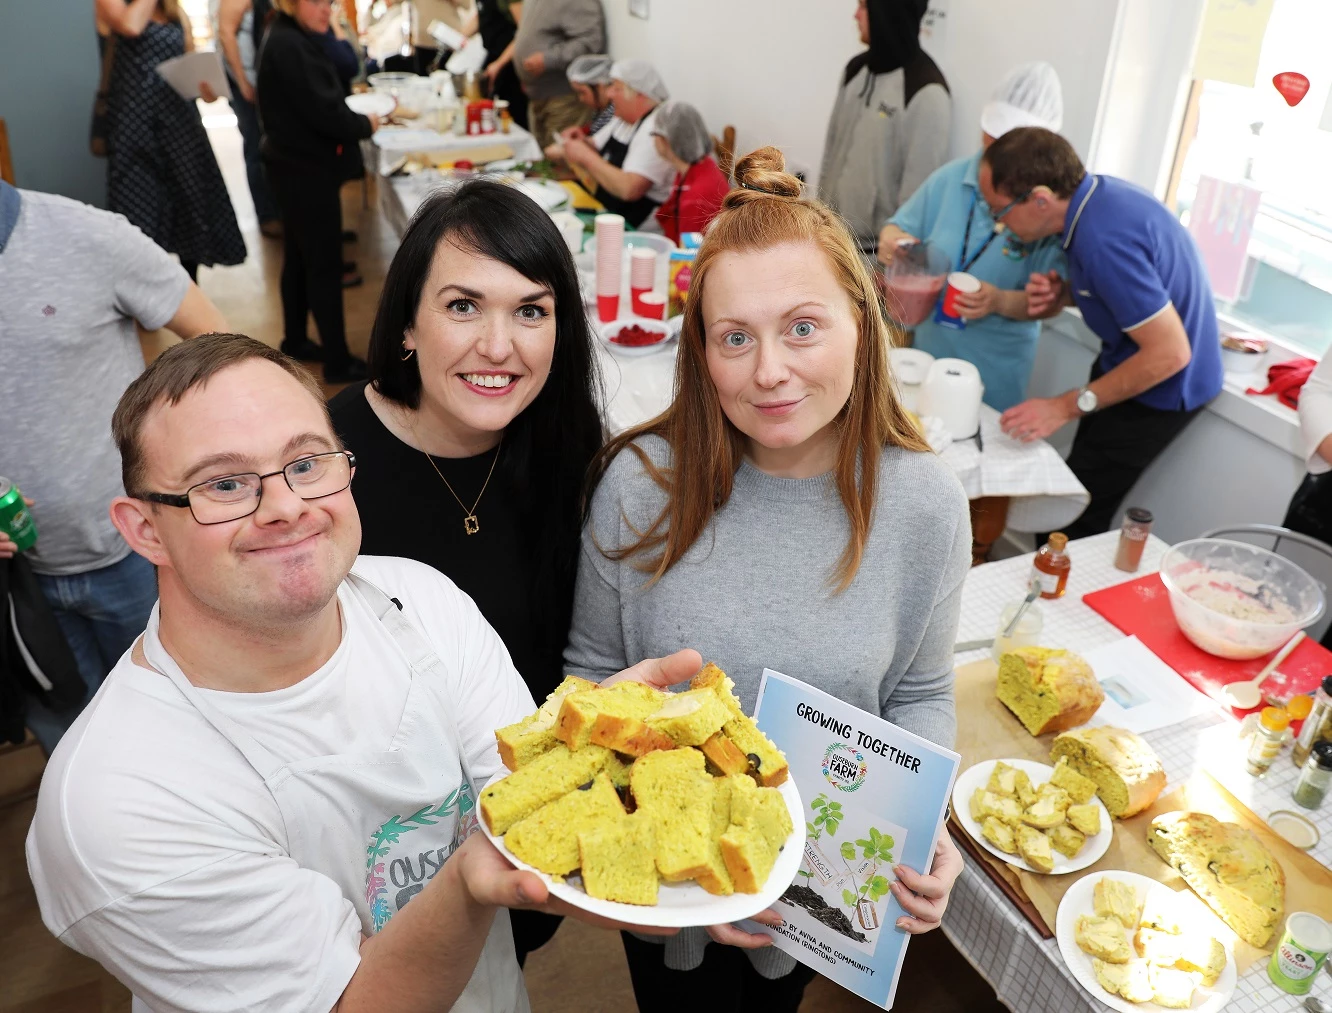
(48, 78)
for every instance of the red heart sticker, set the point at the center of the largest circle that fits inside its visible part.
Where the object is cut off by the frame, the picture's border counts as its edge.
(1293, 86)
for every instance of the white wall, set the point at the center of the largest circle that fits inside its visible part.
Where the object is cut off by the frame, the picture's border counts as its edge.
(771, 68)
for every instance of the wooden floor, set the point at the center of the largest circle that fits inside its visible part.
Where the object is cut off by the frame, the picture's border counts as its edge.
(582, 970)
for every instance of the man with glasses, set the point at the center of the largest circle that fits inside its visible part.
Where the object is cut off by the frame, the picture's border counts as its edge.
(270, 804)
(1137, 277)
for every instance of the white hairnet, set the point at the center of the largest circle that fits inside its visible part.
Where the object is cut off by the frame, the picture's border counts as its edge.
(590, 70)
(683, 127)
(642, 77)
(1029, 96)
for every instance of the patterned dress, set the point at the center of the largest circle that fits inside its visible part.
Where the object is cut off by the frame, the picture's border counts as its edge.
(161, 172)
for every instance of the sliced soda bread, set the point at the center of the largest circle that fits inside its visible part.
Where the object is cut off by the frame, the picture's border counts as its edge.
(617, 860)
(549, 776)
(548, 838)
(524, 740)
(1127, 771)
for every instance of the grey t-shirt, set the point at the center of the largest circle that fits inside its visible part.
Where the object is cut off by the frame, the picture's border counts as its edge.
(73, 280)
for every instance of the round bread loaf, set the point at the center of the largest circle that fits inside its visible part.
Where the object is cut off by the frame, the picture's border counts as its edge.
(1127, 771)
(1048, 689)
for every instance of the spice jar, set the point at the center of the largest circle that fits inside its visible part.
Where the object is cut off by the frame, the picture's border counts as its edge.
(1268, 738)
(1311, 788)
(1318, 725)
(1133, 539)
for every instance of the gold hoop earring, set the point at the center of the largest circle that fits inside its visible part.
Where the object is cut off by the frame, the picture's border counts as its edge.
(408, 352)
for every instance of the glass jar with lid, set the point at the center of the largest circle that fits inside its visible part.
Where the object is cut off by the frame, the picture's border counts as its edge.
(1311, 788)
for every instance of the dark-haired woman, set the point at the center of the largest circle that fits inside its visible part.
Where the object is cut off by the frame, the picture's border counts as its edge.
(474, 434)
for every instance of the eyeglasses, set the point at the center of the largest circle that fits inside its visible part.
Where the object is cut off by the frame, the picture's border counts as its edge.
(999, 215)
(232, 497)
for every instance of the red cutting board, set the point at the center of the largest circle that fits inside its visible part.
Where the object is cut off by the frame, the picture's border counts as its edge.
(1141, 607)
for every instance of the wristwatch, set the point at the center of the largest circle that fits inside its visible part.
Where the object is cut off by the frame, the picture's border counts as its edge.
(1087, 401)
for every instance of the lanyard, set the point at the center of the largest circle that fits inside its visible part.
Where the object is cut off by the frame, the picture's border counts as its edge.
(964, 264)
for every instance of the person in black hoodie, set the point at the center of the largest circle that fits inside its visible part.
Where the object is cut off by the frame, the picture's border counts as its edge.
(310, 147)
(889, 125)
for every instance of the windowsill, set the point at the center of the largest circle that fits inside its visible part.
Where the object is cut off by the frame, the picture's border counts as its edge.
(1264, 417)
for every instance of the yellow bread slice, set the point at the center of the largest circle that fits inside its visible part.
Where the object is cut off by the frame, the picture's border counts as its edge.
(672, 787)
(1066, 840)
(1000, 834)
(617, 860)
(548, 839)
(1171, 988)
(976, 805)
(1111, 977)
(1193, 952)
(1138, 986)
(1043, 813)
(578, 711)
(760, 826)
(1104, 938)
(767, 764)
(1080, 789)
(1084, 818)
(1164, 912)
(692, 717)
(1113, 898)
(1034, 847)
(1003, 779)
(527, 739)
(628, 735)
(618, 771)
(1054, 794)
(725, 755)
(1000, 807)
(1026, 791)
(549, 776)
(1127, 771)
(718, 879)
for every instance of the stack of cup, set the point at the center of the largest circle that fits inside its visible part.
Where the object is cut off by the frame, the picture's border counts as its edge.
(610, 248)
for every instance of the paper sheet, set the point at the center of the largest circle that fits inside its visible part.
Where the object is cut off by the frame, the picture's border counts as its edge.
(1142, 692)
(184, 73)
(1231, 41)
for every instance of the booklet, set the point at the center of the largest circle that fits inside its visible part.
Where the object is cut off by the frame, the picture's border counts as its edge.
(875, 796)
(185, 72)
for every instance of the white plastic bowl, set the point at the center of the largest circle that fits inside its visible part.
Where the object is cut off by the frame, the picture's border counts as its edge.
(1238, 601)
(615, 326)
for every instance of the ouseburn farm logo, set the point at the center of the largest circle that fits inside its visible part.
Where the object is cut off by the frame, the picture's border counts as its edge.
(844, 766)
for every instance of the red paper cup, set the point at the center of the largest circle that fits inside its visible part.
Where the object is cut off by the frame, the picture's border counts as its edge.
(959, 283)
(608, 307)
(650, 305)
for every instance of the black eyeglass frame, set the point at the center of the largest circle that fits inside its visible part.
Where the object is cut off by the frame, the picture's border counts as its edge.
(183, 499)
(999, 215)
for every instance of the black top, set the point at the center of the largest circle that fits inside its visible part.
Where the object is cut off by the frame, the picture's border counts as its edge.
(305, 121)
(407, 511)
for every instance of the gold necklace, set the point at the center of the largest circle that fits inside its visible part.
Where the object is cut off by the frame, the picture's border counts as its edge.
(470, 524)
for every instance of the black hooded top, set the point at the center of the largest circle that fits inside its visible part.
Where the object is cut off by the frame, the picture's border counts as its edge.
(894, 30)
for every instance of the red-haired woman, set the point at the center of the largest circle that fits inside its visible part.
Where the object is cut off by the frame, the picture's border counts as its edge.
(784, 512)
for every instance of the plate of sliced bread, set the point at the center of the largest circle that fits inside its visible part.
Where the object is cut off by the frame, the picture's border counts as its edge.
(1137, 945)
(649, 807)
(1040, 818)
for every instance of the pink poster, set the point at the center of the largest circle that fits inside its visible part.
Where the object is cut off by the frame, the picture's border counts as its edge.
(1221, 222)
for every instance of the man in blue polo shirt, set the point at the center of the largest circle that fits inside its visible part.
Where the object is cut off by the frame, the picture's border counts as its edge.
(1140, 283)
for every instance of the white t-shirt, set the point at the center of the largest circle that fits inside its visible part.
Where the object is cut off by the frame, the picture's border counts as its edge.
(1316, 414)
(158, 851)
(642, 157)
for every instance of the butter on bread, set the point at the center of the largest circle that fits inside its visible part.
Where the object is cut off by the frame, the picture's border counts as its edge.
(1048, 689)
(549, 776)
(527, 739)
(1113, 898)
(1196, 952)
(1131, 980)
(1084, 818)
(617, 860)
(1003, 779)
(1000, 834)
(1066, 840)
(690, 718)
(767, 765)
(1171, 988)
(548, 838)
(1104, 938)
(1228, 867)
(1127, 771)
(1034, 847)
(579, 711)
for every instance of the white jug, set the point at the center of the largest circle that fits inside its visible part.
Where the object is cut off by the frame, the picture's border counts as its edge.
(952, 393)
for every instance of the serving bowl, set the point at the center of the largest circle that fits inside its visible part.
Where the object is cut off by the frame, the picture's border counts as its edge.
(1236, 600)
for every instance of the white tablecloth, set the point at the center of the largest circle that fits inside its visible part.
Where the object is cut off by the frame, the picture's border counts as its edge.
(391, 143)
(1028, 973)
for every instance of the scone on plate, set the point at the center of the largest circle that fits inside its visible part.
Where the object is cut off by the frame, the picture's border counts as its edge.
(1043, 814)
(1113, 898)
(1084, 818)
(1104, 938)
(976, 805)
(1131, 980)
(1034, 847)
(1195, 952)
(1003, 779)
(1000, 807)
(1171, 988)
(1000, 834)
(1066, 840)
(1110, 977)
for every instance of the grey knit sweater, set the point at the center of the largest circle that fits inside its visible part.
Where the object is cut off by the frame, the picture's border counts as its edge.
(754, 593)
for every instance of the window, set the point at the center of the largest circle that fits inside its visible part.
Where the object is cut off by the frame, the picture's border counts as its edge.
(1251, 136)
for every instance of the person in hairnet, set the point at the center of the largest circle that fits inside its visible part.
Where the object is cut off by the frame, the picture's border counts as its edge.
(589, 76)
(700, 186)
(890, 122)
(631, 177)
(998, 335)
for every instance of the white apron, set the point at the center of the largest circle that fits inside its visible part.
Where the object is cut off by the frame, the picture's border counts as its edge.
(379, 824)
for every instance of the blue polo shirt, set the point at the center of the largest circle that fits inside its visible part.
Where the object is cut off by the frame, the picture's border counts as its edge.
(1003, 350)
(1129, 259)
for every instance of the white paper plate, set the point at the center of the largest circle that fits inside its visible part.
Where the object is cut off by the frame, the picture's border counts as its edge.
(1078, 901)
(546, 192)
(371, 103)
(977, 776)
(680, 905)
(606, 330)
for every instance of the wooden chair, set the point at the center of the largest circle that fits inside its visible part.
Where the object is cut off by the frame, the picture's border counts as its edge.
(6, 158)
(725, 147)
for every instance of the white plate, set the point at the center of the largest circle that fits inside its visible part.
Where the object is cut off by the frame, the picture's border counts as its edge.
(1078, 901)
(606, 330)
(976, 777)
(371, 103)
(546, 192)
(680, 905)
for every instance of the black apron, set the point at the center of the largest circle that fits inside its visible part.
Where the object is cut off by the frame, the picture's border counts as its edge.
(635, 212)
(1310, 513)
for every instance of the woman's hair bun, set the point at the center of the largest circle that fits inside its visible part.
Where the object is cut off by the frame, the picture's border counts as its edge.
(764, 170)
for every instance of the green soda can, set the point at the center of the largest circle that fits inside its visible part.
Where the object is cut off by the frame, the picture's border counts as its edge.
(15, 520)
(1303, 949)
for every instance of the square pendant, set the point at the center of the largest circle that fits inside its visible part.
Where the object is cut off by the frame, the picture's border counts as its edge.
(470, 524)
